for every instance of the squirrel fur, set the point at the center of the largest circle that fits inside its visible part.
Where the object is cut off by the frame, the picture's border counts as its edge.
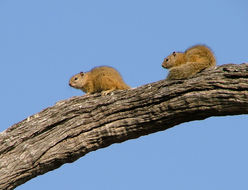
(102, 79)
(186, 64)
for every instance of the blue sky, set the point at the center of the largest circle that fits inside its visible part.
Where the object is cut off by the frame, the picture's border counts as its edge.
(43, 43)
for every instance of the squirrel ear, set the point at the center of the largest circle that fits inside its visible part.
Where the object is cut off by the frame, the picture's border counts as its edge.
(174, 53)
(81, 73)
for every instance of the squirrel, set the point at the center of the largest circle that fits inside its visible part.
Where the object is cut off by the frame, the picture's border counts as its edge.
(102, 79)
(187, 64)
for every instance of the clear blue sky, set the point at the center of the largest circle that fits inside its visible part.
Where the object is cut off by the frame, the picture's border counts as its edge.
(43, 43)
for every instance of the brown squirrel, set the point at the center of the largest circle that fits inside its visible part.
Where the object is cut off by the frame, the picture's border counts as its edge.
(102, 79)
(187, 64)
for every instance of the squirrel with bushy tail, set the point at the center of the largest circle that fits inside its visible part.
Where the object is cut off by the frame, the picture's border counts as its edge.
(183, 65)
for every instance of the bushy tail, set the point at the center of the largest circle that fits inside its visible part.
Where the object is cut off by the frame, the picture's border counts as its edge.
(186, 70)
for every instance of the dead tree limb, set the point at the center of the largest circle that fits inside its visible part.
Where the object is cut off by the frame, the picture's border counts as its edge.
(74, 127)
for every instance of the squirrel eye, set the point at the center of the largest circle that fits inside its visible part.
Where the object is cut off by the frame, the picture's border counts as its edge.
(75, 78)
(166, 59)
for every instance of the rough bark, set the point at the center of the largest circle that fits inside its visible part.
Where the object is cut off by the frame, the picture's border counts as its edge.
(74, 127)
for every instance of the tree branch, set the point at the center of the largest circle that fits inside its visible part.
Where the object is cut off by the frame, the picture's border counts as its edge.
(74, 127)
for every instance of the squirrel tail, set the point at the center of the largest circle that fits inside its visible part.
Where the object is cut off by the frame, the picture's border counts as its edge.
(186, 70)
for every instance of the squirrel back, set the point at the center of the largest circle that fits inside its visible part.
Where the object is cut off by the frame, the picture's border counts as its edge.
(187, 64)
(200, 53)
(102, 79)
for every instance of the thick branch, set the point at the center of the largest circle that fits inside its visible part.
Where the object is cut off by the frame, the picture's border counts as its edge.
(74, 127)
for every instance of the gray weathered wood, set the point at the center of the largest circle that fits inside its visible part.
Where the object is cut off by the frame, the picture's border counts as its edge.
(74, 127)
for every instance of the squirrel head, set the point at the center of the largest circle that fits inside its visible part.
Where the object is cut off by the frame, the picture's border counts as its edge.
(76, 81)
(173, 60)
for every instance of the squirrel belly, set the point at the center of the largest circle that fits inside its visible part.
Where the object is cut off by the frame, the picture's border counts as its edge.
(189, 63)
(102, 79)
